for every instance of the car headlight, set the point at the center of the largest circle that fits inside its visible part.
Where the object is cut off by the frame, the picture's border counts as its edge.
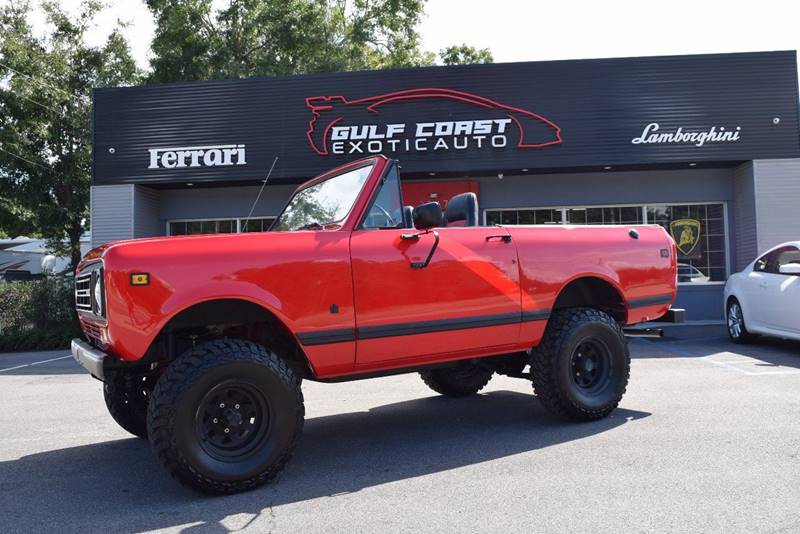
(97, 292)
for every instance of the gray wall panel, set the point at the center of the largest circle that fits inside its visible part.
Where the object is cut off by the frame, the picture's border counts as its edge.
(111, 213)
(702, 302)
(634, 187)
(145, 211)
(221, 202)
(777, 196)
(743, 213)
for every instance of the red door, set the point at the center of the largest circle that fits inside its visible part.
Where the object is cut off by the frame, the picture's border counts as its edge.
(420, 192)
(464, 302)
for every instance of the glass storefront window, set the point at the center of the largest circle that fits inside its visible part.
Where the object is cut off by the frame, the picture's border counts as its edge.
(524, 216)
(604, 215)
(699, 233)
(260, 224)
(698, 230)
(219, 226)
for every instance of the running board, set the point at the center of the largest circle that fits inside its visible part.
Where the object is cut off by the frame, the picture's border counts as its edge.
(650, 333)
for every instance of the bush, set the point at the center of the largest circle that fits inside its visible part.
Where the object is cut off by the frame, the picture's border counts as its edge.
(37, 315)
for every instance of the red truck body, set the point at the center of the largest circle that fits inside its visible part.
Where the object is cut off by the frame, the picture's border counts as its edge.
(203, 342)
(487, 290)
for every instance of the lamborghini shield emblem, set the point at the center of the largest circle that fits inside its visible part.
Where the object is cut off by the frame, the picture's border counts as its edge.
(686, 233)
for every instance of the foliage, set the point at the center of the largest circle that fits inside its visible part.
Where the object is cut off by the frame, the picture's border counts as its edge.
(37, 315)
(193, 41)
(306, 211)
(464, 55)
(45, 119)
(53, 338)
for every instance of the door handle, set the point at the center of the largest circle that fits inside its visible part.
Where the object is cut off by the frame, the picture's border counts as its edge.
(763, 285)
(505, 238)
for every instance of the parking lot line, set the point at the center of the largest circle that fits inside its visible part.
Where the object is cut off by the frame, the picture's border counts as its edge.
(733, 365)
(35, 363)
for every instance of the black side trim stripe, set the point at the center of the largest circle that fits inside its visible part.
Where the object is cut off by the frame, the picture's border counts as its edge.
(425, 327)
(535, 315)
(650, 301)
(422, 327)
(327, 336)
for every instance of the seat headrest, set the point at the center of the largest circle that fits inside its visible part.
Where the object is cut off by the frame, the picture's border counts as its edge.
(463, 207)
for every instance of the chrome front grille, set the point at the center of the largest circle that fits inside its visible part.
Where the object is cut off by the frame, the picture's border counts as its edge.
(83, 292)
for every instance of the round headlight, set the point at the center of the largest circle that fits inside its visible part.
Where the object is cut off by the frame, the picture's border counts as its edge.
(98, 293)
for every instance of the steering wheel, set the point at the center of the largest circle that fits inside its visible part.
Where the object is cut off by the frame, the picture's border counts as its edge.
(389, 219)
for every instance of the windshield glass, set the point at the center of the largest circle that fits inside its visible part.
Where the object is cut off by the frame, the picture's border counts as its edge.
(387, 208)
(326, 202)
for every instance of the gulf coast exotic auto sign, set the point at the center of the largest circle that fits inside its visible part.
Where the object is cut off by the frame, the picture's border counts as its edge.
(378, 124)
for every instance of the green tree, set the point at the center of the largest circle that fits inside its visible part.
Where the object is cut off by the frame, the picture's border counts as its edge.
(45, 119)
(193, 41)
(465, 54)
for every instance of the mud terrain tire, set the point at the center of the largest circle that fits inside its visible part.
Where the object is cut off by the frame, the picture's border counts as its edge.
(581, 367)
(457, 381)
(127, 404)
(225, 416)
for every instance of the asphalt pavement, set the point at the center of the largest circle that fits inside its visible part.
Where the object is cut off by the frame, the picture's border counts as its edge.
(707, 439)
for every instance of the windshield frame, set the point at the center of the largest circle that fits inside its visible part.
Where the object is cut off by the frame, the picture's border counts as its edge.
(374, 162)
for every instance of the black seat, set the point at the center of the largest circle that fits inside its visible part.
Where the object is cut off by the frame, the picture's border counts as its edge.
(408, 216)
(463, 207)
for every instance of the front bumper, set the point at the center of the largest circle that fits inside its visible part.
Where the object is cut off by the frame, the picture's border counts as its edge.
(89, 357)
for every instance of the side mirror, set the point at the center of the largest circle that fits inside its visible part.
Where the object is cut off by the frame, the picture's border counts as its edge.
(790, 268)
(427, 216)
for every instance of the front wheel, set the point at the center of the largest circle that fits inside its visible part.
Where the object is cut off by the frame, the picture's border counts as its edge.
(580, 369)
(226, 416)
(737, 330)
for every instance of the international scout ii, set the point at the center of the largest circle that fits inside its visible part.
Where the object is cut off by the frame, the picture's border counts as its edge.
(202, 342)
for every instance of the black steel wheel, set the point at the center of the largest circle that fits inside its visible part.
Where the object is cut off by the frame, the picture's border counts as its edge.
(581, 367)
(233, 420)
(591, 365)
(226, 416)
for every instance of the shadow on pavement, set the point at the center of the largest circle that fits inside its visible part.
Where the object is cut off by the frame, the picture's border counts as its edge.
(119, 486)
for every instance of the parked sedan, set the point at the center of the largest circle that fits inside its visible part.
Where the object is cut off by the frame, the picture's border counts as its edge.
(691, 274)
(765, 297)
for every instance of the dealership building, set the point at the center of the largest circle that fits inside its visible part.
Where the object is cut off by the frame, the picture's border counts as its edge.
(707, 146)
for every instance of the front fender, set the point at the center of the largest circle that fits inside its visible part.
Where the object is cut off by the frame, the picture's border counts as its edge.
(136, 315)
(299, 277)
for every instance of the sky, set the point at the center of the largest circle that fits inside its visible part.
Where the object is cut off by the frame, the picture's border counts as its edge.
(526, 30)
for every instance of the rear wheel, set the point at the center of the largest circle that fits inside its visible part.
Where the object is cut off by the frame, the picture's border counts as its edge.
(126, 399)
(737, 330)
(226, 416)
(460, 381)
(580, 369)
